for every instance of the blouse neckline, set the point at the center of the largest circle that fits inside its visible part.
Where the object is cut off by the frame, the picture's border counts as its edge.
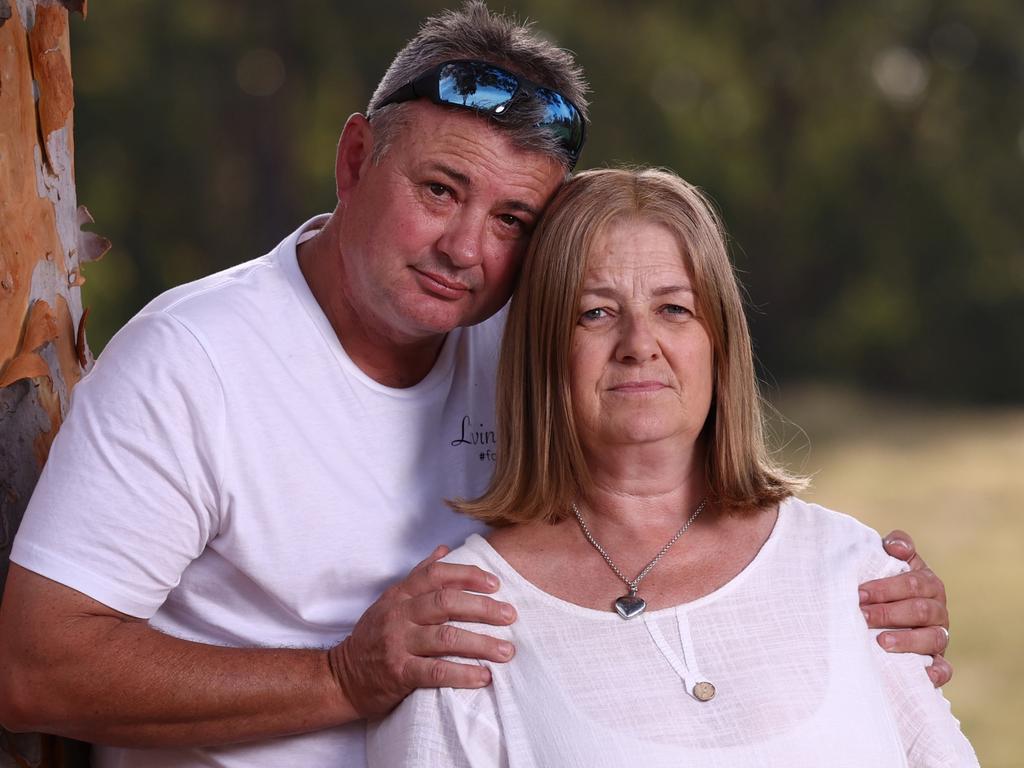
(507, 574)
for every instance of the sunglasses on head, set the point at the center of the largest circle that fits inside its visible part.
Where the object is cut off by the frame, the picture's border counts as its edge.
(489, 89)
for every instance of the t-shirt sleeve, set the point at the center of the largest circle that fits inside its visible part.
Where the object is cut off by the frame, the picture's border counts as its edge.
(931, 736)
(129, 494)
(456, 728)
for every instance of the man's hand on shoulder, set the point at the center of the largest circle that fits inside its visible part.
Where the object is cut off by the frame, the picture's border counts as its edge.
(914, 603)
(395, 646)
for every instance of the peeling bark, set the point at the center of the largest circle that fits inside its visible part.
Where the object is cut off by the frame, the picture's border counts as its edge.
(43, 350)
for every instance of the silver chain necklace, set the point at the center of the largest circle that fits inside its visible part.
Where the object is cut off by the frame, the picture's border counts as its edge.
(631, 605)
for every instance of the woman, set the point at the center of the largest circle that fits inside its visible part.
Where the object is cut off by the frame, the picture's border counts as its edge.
(677, 605)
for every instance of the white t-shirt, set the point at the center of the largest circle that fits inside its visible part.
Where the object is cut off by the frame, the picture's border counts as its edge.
(227, 472)
(800, 681)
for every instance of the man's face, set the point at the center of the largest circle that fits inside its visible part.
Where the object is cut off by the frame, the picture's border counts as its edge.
(433, 236)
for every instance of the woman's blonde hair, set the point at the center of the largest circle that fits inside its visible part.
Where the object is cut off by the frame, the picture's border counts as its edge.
(540, 467)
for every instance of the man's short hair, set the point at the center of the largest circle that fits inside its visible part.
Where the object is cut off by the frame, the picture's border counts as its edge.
(473, 32)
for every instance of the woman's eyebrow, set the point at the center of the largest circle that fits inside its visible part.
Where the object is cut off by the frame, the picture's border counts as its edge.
(610, 292)
(665, 290)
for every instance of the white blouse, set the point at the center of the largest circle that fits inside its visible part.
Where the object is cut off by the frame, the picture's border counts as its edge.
(798, 677)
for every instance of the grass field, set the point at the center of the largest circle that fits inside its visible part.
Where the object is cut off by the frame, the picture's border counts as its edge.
(954, 479)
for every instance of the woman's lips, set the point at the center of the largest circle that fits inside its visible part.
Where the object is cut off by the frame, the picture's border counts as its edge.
(442, 286)
(631, 387)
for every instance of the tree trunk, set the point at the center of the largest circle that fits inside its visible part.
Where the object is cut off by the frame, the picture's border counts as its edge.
(43, 352)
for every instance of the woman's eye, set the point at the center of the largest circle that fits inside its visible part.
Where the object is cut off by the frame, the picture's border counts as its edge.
(676, 309)
(593, 314)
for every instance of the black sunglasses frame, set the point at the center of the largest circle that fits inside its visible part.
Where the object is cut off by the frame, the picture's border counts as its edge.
(428, 86)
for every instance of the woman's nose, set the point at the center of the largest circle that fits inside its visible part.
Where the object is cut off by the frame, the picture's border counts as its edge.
(637, 342)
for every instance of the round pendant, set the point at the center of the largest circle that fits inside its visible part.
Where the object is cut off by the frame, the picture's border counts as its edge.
(629, 606)
(704, 691)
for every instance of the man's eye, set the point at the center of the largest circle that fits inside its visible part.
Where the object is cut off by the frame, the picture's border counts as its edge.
(512, 221)
(438, 190)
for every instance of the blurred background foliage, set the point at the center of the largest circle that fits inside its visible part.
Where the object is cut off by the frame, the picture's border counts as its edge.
(868, 159)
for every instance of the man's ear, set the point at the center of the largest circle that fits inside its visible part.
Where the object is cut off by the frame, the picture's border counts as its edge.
(355, 154)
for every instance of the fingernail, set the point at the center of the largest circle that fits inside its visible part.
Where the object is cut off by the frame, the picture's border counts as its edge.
(866, 617)
(900, 543)
(508, 613)
(492, 581)
(864, 596)
(887, 641)
(505, 650)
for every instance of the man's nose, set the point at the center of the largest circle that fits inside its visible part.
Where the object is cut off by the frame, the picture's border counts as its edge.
(463, 239)
(637, 341)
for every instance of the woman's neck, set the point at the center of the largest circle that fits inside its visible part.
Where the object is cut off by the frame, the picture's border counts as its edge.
(646, 490)
(635, 504)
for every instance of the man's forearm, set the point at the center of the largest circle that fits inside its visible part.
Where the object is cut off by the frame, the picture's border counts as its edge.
(149, 689)
(117, 681)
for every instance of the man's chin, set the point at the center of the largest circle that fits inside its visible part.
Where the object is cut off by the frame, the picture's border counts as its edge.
(433, 324)
(431, 315)
(439, 317)
(481, 314)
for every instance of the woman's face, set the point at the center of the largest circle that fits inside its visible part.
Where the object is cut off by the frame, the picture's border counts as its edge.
(641, 362)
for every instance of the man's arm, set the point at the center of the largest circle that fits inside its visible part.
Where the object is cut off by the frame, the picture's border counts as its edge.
(913, 602)
(72, 666)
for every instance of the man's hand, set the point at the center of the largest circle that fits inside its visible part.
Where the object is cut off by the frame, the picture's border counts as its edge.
(915, 600)
(394, 646)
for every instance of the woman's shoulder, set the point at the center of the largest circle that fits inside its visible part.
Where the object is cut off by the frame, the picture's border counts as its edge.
(815, 517)
(477, 552)
(837, 536)
(473, 551)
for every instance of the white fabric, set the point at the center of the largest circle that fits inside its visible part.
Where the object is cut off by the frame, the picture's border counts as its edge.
(800, 679)
(228, 472)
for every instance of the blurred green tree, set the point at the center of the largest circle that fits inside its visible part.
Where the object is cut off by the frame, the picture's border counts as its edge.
(868, 158)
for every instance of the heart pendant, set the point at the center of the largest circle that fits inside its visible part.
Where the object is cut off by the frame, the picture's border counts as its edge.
(629, 606)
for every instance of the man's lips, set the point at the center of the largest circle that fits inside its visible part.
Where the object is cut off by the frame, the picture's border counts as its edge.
(440, 285)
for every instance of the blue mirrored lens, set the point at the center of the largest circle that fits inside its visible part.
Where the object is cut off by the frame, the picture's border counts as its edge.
(562, 118)
(475, 85)
(481, 86)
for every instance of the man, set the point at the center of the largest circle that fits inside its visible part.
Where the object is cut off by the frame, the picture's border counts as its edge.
(258, 457)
